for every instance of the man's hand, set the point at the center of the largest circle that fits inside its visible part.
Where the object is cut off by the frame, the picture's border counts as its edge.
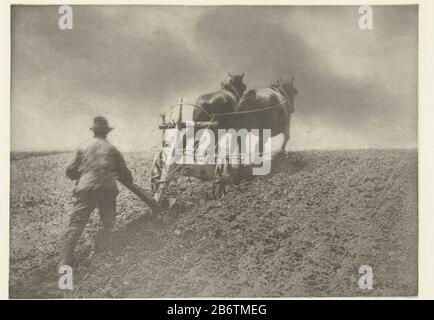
(73, 175)
(72, 169)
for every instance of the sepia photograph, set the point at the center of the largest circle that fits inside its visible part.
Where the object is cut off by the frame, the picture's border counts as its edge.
(192, 151)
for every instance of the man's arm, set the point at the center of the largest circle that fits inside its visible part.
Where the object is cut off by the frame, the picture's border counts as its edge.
(72, 169)
(123, 173)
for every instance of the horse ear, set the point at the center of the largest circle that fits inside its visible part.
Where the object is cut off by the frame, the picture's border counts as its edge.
(292, 81)
(242, 76)
(229, 74)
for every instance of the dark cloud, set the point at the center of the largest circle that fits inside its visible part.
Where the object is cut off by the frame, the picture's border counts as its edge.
(262, 44)
(130, 62)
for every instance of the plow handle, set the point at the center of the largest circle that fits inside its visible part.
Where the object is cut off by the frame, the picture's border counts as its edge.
(143, 195)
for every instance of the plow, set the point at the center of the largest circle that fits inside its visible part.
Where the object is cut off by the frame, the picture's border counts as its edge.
(221, 174)
(164, 170)
(262, 114)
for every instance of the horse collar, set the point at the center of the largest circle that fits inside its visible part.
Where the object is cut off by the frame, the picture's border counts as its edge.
(281, 91)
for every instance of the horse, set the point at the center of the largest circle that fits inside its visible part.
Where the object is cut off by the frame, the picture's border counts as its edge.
(222, 101)
(268, 108)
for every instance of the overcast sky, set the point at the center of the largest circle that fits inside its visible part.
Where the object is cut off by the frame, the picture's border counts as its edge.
(357, 88)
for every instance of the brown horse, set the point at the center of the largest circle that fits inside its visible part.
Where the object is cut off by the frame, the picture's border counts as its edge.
(222, 101)
(276, 103)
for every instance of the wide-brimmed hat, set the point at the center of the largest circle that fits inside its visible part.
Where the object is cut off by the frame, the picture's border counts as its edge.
(100, 124)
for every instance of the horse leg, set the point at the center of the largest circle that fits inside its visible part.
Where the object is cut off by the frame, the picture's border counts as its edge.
(285, 139)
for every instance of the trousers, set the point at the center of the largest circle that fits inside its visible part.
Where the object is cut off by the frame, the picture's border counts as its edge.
(84, 205)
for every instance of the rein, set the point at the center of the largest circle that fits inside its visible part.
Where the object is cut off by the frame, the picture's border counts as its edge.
(194, 106)
(249, 111)
(275, 90)
(278, 90)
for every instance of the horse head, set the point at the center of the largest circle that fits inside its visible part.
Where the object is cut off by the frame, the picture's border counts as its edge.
(288, 88)
(235, 84)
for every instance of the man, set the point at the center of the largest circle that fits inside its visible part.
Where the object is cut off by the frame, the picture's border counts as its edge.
(96, 166)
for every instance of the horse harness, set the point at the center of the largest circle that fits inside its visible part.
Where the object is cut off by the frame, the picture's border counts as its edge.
(278, 92)
(282, 97)
(234, 95)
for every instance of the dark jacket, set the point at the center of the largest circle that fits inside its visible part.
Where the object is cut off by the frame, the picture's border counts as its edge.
(96, 166)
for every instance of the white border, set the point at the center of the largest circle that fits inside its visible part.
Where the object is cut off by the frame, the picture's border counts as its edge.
(425, 110)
